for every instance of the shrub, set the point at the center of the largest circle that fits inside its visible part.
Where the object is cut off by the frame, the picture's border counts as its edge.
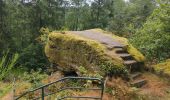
(34, 77)
(32, 57)
(154, 38)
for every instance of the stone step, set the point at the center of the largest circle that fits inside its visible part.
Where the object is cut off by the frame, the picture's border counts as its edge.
(130, 62)
(135, 75)
(124, 55)
(119, 46)
(111, 47)
(120, 50)
(139, 83)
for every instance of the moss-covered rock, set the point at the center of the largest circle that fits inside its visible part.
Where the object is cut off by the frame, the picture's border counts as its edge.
(70, 51)
(163, 68)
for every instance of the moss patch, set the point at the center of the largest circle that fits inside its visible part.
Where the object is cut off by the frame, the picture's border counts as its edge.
(135, 53)
(163, 67)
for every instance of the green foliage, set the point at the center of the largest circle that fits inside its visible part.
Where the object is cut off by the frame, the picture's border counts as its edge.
(33, 57)
(44, 35)
(34, 77)
(109, 90)
(20, 22)
(82, 70)
(64, 93)
(19, 27)
(129, 16)
(109, 67)
(154, 38)
(7, 64)
(117, 21)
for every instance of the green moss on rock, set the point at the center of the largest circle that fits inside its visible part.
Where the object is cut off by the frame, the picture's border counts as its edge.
(163, 67)
(71, 51)
(135, 53)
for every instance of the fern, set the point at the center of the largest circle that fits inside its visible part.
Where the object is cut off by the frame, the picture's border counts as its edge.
(6, 64)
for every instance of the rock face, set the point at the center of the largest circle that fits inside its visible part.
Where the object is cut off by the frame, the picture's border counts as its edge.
(90, 52)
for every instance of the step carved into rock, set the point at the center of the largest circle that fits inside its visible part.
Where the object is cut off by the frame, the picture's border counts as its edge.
(135, 75)
(124, 55)
(139, 83)
(130, 62)
(120, 50)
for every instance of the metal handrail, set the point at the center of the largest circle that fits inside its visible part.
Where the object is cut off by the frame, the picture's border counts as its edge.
(43, 95)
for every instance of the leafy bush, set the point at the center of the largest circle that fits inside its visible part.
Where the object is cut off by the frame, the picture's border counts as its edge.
(33, 57)
(34, 77)
(44, 35)
(27, 81)
(7, 64)
(154, 38)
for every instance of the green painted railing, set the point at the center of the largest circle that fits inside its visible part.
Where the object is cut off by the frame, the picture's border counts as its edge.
(44, 93)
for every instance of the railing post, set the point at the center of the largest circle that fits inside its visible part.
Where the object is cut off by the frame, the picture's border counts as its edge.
(13, 89)
(102, 92)
(42, 93)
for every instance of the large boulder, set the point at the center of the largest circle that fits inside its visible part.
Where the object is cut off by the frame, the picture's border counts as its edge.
(88, 52)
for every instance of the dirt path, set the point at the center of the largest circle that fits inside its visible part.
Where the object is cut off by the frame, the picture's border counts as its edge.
(98, 36)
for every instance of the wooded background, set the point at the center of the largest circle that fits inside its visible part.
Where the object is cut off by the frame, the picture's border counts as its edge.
(21, 20)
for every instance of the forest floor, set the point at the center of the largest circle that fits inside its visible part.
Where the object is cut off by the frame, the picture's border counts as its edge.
(157, 88)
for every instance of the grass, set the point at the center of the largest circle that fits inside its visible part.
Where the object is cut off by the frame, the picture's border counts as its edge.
(6, 64)
(24, 81)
